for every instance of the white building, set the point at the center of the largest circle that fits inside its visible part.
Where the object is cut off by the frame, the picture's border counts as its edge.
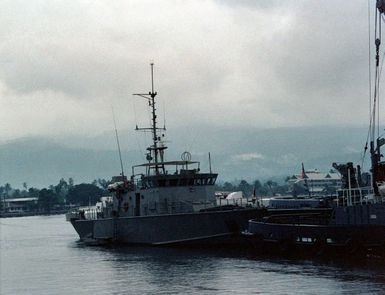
(19, 204)
(316, 182)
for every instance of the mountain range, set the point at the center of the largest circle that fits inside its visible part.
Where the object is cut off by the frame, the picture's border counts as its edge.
(236, 153)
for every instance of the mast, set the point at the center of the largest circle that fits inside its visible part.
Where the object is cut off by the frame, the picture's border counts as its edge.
(152, 104)
(376, 143)
(155, 151)
(118, 143)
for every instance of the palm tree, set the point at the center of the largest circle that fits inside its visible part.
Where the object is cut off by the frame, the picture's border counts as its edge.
(269, 183)
(7, 189)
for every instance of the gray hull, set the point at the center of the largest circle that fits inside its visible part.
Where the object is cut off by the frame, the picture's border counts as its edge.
(196, 228)
(356, 230)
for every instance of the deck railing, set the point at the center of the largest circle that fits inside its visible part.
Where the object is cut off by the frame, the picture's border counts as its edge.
(163, 208)
(355, 196)
(242, 202)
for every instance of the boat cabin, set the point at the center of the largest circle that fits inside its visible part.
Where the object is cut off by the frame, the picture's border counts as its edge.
(169, 188)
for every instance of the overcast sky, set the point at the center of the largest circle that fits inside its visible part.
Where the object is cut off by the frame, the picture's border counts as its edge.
(272, 64)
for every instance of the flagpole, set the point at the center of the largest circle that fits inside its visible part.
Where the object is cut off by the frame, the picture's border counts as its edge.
(304, 177)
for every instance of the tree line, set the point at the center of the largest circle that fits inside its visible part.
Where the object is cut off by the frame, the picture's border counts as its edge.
(268, 188)
(58, 196)
(66, 193)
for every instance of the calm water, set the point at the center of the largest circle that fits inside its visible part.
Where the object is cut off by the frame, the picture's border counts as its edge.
(41, 255)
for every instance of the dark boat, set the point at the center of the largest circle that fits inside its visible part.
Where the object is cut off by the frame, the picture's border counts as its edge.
(356, 224)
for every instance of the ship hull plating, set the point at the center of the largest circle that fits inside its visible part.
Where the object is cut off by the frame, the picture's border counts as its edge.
(201, 228)
(360, 230)
(353, 241)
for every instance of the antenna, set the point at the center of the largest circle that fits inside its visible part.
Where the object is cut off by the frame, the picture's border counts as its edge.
(152, 78)
(164, 116)
(155, 149)
(117, 141)
(210, 162)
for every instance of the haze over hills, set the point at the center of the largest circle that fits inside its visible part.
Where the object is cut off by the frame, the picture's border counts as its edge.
(236, 153)
(223, 68)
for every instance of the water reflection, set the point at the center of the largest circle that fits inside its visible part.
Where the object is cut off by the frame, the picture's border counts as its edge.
(41, 255)
(161, 269)
(224, 271)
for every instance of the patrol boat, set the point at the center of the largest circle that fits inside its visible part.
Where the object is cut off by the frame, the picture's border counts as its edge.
(162, 203)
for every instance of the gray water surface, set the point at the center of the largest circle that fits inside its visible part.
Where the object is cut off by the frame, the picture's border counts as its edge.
(42, 255)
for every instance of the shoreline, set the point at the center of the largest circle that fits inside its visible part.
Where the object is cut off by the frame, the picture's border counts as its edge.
(24, 214)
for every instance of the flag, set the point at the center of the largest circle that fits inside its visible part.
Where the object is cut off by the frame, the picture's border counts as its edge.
(304, 177)
(303, 172)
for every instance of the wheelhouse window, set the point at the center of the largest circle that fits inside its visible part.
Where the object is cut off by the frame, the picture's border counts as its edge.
(178, 180)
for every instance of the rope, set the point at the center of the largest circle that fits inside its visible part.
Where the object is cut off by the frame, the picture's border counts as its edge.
(370, 88)
(378, 79)
(139, 146)
(375, 80)
(375, 107)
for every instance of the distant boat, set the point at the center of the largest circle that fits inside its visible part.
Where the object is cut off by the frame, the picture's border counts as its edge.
(163, 202)
(356, 225)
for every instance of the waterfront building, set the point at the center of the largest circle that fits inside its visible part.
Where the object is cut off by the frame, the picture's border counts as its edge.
(19, 205)
(315, 183)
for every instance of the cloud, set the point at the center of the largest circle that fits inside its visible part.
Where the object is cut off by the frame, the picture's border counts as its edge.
(352, 150)
(248, 157)
(219, 63)
(287, 159)
(49, 113)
